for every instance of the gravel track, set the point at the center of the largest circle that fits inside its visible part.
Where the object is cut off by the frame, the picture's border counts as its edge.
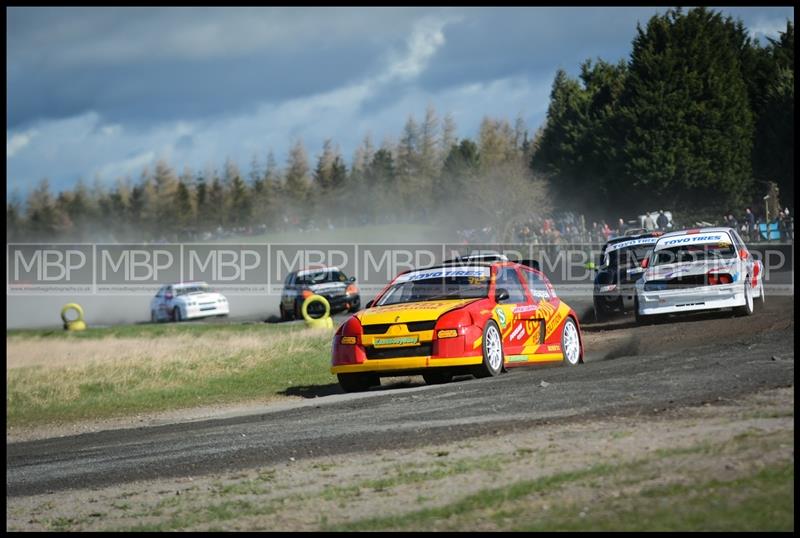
(629, 371)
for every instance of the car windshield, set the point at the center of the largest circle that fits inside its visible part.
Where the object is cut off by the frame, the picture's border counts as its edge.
(430, 289)
(626, 258)
(320, 277)
(694, 253)
(193, 288)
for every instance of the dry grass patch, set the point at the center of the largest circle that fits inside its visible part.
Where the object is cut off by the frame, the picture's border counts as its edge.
(129, 374)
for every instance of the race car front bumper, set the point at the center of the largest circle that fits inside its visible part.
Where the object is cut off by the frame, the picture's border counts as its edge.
(690, 299)
(202, 311)
(342, 302)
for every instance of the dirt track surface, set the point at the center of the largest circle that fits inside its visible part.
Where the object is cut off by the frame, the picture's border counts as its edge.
(630, 371)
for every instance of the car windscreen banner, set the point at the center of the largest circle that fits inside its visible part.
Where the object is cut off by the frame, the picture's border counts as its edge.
(445, 272)
(715, 238)
(632, 243)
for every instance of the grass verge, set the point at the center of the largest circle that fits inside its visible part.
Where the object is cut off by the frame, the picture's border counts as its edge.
(100, 373)
(760, 501)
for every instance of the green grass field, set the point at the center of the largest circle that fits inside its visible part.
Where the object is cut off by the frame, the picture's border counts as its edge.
(55, 376)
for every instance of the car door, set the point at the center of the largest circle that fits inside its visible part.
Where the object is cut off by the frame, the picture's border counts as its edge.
(510, 312)
(749, 265)
(545, 305)
(167, 302)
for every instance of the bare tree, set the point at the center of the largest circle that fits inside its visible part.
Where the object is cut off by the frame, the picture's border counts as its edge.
(508, 194)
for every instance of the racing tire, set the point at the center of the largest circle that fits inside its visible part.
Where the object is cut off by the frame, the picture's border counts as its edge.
(176, 314)
(640, 319)
(437, 377)
(492, 346)
(600, 313)
(571, 343)
(651, 319)
(747, 309)
(357, 382)
(355, 307)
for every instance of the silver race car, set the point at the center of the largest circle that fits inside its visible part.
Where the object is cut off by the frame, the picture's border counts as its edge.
(698, 269)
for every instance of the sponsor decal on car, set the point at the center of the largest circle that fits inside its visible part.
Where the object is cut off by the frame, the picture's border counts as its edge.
(424, 305)
(555, 322)
(540, 294)
(501, 317)
(396, 341)
(446, 272)
(676, 272)
(632, 243)
(519, 332)
(690, 239)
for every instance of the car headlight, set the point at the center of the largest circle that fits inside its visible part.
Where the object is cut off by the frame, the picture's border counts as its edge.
(609, 287)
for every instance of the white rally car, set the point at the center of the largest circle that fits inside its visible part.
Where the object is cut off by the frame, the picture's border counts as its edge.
(698, 269)
(187, 300)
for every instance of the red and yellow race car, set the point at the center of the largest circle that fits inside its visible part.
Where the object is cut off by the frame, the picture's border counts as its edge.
(452, 319)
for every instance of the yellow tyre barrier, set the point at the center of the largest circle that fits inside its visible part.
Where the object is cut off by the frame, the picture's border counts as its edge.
(73, 324)
(322, 323)
(325, 320)
(315, 299)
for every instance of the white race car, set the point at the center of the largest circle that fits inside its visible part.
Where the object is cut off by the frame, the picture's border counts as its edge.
(187, 300)
(698, 269)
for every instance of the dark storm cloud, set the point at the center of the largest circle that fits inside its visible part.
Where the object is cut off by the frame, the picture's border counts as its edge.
(107, 90)
(147, 91)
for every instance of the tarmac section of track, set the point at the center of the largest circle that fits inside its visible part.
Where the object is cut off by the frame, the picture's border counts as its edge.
(638, 370)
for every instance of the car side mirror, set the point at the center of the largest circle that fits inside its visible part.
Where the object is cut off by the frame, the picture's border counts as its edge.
(645, 263)
(591, 266)
(369, 304)
(500, 295)
(351, 279)
(742, 254)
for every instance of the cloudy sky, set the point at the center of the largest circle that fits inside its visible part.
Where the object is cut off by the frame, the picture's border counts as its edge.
(103, 92)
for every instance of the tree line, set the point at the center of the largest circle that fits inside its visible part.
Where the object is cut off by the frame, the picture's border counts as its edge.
(698, 119)
(423, 175)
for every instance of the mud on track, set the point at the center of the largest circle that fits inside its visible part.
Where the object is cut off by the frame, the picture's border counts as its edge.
(630, 371)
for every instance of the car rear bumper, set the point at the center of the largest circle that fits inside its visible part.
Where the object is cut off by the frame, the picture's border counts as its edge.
(692, 299)
(611, 299)
(405, 365)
